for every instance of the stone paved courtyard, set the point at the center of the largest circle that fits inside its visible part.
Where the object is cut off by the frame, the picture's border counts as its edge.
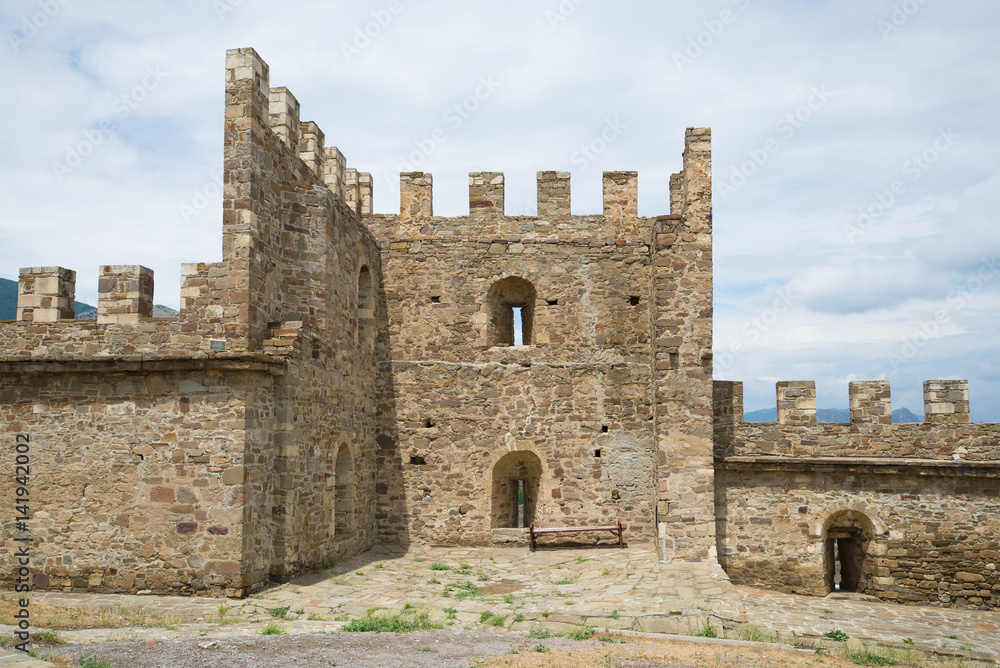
(558, 588)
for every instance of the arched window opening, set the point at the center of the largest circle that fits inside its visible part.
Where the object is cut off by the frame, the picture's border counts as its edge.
(366, 306)
(847, 538)
(343, 503)
(516, 478)
(512, 312)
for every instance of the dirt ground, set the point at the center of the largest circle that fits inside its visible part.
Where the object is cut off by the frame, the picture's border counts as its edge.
(432, 649)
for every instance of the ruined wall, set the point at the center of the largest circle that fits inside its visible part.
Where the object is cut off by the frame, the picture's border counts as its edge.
(460, 406)
(922, 499)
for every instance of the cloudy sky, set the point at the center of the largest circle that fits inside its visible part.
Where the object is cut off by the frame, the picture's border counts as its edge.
(856, 148)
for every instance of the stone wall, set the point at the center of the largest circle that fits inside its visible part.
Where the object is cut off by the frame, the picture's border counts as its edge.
(934, 535)
(235, 442)
(599, 297)
(681, 313)
(916, 507)
(142, 476)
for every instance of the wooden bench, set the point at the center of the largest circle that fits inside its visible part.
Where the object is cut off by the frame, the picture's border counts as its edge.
(616, 528)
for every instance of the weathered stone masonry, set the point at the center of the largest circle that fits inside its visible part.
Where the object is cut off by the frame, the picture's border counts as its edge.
(914, 508)
(208, 452)
(344, 377)
(596, 416)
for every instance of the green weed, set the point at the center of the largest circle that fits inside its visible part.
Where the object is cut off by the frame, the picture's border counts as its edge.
(50, 637)
(707, 631)
(870, 657)
(403, 622)
(273, 629)
(580, 633)
(468, 589)
(753, 634)
(93, 662)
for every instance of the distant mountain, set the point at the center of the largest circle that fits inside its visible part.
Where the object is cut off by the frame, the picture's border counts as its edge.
(83, 311)
(158, 312)
(8, 301)
(899, 415)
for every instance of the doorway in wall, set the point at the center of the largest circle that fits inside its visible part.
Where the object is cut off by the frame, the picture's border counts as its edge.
(516, 478)
(846, 564)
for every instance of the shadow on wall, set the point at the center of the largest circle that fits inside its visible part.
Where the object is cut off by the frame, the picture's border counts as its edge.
(391, 509)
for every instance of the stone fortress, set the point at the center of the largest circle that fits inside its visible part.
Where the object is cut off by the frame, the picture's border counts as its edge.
(344, 378)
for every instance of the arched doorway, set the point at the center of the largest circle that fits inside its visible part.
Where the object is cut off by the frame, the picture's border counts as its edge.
(847, 538)
(516, 478)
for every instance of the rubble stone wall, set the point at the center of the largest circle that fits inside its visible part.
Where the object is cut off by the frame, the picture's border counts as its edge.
(619, 308)
(141, 480)
(935, 537)
(266, 380)
(921, 501)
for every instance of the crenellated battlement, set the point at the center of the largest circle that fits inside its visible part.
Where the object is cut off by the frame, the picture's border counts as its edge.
(618, 223)
(945, 401)
(945, 434)
(289, 204)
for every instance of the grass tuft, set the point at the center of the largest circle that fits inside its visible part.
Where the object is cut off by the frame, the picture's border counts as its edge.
(581, 633)
(402, 622)
(707, 631)
(753, 634)
(864, 656)
(93, 662)
(539, 633)
(273, 629)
